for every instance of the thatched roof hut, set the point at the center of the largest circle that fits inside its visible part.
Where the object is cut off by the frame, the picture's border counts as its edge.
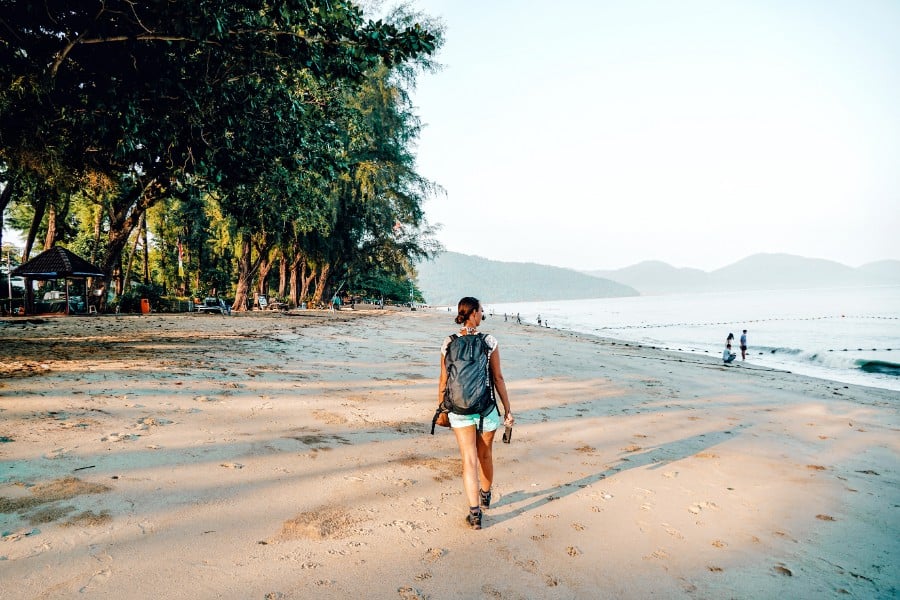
(57, 264)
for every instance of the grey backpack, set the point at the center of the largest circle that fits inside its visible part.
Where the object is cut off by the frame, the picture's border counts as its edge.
(470, 388)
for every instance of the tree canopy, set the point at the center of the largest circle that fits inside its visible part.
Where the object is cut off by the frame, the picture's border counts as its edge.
(270, 132)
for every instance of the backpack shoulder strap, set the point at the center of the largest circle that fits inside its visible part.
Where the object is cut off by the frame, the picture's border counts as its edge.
(452, 338)
(487, 350)
(484, 344)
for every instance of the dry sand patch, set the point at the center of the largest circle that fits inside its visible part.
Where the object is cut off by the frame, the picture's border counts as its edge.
(325, 523)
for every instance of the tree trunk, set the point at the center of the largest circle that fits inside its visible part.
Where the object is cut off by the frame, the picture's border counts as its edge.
(247, 268)
(244, 275)
(146, 253)
(50, 238)
(282, 276)
(306, 280)
(117, 280)
(137, 238)
(265, 266)
(39, 207)
(324, 270)
(98, 219)
(124, 215)
(296, 276)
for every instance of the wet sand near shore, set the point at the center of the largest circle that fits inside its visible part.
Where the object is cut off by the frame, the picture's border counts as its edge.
(288, 456)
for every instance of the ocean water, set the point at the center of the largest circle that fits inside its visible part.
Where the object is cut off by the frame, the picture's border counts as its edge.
(842, 334)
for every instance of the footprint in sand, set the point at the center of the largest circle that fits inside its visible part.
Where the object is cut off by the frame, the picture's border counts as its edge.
(405, 526)
(697, 507)
(407, 592)
(147, 527)
(96, 580)
(783, 570)
(432, 554)
(784, 535)
(672, 531)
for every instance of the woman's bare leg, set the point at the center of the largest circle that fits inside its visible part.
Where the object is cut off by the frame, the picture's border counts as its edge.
(466, 438)
(485, 448)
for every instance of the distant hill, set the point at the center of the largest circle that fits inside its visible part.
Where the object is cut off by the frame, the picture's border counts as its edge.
(451, 276)
(656, 277)
(785, 271)
(757, 272)
(887, 270)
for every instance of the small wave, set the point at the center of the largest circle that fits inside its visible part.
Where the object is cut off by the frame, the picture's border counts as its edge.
(789, 351)
(832, 360)
(880, 366)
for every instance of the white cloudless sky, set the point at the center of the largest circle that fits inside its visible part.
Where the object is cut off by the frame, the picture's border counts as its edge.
(594, 134)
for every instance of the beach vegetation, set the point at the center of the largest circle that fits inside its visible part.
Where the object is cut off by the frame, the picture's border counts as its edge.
(211, 145)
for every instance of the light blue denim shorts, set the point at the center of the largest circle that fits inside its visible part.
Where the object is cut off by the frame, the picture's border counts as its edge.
(492, 421)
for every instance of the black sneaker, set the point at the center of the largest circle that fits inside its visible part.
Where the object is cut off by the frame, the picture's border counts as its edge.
(474, 520)
(485, 498)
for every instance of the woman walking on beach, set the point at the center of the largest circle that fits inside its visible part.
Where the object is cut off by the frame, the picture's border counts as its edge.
(475, 432)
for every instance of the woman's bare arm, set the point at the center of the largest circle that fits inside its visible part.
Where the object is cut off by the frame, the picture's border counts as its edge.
(442, 382)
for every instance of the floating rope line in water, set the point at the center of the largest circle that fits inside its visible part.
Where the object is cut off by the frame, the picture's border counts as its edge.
(773, 351)
(711, 323)
(862, 350)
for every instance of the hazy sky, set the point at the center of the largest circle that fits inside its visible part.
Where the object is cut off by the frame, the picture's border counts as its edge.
(595, 134)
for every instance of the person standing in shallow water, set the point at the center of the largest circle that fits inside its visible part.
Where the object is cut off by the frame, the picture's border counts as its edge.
(744, 345)
(476, 449)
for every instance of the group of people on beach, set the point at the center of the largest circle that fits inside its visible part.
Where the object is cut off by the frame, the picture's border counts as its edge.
(540, 323)
(727, 355)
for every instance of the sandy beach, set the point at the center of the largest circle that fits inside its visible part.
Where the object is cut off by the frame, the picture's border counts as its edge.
(289, 456)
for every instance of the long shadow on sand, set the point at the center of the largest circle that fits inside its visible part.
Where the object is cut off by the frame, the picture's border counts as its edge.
(655, 458)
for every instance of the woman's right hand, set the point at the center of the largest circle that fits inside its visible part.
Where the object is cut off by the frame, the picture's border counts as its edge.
(508, 420)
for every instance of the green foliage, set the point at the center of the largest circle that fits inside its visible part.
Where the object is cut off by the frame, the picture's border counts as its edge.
(130, 301)
(395, 289)
(279, 120)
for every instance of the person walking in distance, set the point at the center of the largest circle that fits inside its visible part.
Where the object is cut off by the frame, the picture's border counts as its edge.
(744, 345)
(474, 432)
